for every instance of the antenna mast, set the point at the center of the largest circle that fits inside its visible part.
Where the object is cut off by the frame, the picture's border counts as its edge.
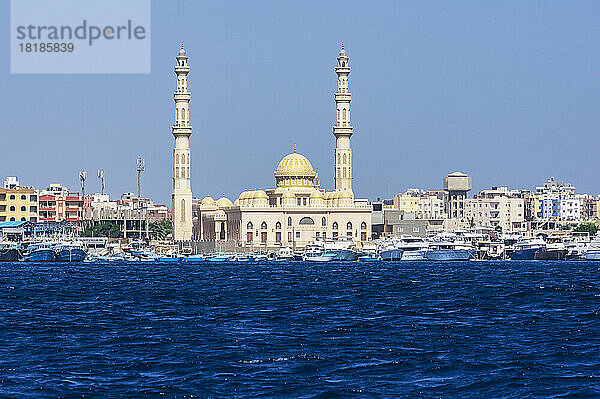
(82, 176)
(101, 177)
(141, 162)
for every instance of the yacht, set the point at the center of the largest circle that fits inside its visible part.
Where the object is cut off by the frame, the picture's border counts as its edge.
(593, 251)
(552, 251)
(286, 253)
(449, 251)
(340, 249)
(526, 249)
(389, 250)
(415, 248)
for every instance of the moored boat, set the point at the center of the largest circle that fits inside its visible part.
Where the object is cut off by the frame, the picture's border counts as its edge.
(69, 252)
(526, 249)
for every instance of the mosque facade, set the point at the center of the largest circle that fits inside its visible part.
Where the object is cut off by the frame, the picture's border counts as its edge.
(297, 211)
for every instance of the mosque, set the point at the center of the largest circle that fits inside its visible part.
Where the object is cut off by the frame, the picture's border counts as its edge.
(297, 211)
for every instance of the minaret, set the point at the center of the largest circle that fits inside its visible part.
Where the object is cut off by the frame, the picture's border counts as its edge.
(342, 129)
(182, 193)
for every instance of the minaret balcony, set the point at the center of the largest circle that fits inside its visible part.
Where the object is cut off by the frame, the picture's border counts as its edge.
(345, 69)
(343, 97)
(182, 69)
(342, 130)
(179, 96)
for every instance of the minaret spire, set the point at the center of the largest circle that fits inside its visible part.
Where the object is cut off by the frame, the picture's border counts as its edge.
(182, 193)
(342, 129)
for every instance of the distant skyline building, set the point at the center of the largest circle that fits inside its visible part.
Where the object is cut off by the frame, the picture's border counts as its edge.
(182, 192)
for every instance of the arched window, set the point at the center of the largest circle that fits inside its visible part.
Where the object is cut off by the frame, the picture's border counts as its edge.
(344, 159)
(335, 225)
(307, 220)
(12, 209)
(177, 159)
(12, 219)
(23, 197)
(344, 114)
(12, 197)
(349, 226)
(183, 210)
(278, 226)
(249, 226)
(263, 225)
(323, 222)
(177, 171)
(363, 226)
(289, 221)
(23, 219)
(23, 209)
(182, 158)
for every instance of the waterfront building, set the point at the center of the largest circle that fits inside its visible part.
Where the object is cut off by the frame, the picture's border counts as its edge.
(18, 203)
(182, 130)
(456, 185)
(133, 215)
(497, 208)
(57, 204)
(556, 189)
(297, 211)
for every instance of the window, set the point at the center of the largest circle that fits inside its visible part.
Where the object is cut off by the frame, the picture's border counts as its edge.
(304, 200)
(23, 209)
(23, 197)
(249, 236)
(183, 210)
(363, 226)
(298, 201)
(263, 237)
(23, 219)
(317, 235)
(177, 158)
(363, 236)
(12, 219)
(12, 209)
(306, 220)
(349, 226)
(297, 234)
(335, 234)
(290, 236)
(335, 225)
(415, 229)
(249, 226)
(12, 197)
(324, 235)
(289, 221)
(263, 225)
(323, 222)
(278, 226)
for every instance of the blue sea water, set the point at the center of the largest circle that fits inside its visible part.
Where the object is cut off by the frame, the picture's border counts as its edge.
(330, 330)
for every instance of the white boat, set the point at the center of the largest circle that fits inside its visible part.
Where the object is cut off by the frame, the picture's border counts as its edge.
(286, 253)
(593, 251)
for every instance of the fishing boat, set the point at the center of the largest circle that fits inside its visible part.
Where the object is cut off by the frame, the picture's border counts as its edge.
(194, 258)
(69, 252)
(526, 249)
(9, 252)
(218, 258)
(40, 252)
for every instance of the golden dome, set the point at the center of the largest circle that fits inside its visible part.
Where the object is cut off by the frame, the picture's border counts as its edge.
(295, 165)
(223, 202)
(288, 194)
(316, 194)
(236, 202)
(260, 194)
(207, 201)
(243, 195)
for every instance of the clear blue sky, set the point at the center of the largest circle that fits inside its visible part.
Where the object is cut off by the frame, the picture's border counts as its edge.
(508, 92)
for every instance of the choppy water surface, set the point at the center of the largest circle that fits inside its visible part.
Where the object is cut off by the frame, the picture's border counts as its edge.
(469, 329)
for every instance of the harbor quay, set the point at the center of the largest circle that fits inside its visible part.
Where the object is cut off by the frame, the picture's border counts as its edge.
(299, 218)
